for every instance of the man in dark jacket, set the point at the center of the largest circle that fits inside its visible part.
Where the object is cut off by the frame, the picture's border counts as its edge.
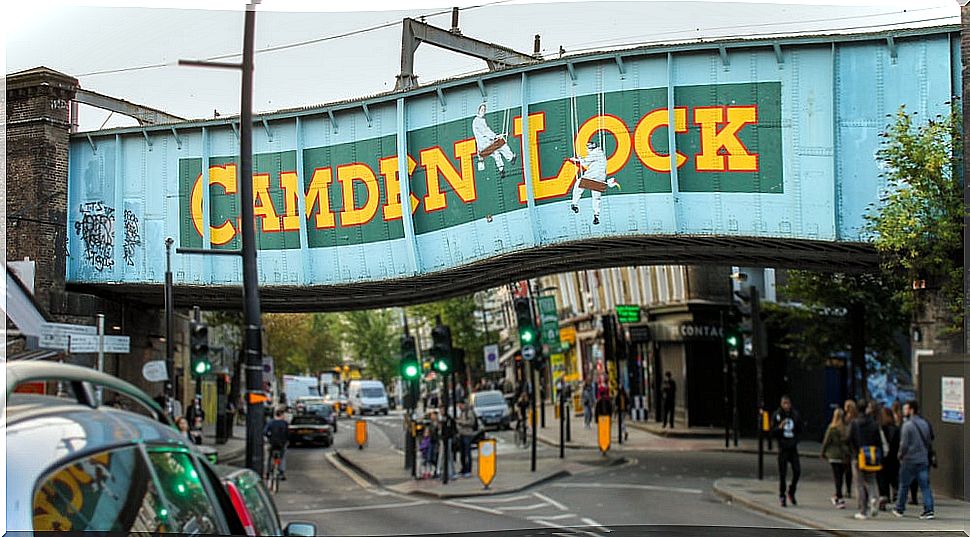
(863, 432)
(277, 432)
(915, 442)
(787, 427)
(669, 391)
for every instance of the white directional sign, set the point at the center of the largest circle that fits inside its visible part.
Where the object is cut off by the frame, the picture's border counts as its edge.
(491, 358)
(56, 335)
(89, 343)
(528, 352)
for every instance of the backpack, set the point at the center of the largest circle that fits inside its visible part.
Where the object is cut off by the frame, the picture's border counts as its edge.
(870, 458)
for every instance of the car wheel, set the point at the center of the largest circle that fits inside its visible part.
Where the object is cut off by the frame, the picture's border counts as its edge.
(327, 443)
(386, 411)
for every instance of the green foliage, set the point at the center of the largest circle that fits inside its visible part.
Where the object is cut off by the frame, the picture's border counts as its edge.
(302, 342)
(372, 337)
(819, 326)
(918, 228)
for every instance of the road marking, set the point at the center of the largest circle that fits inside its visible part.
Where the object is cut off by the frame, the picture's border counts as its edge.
(496, 500)
(596, 525)
(357, 508)
(550, 501)
(524, 507)
(473, 507)
(361, 482)
(567, 528)
(553, 517)
(627, 486)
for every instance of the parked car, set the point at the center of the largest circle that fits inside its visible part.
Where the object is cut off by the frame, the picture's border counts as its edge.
(491, 409)
(251, 502)
(311, 429)
(73, 465)
(368, 396)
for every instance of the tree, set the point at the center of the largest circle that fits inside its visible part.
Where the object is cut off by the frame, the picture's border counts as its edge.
(301, 342)
(836, 312)
(918, 227)
(372, 338)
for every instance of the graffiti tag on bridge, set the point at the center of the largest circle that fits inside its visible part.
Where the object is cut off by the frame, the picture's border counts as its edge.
(132, 237)
(96, 230)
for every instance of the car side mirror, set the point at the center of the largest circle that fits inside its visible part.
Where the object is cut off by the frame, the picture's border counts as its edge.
(300, 529)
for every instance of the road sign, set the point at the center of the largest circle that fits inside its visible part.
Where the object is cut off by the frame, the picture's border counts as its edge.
(154, 371)
(57, 335)
(549, 322)
(491, 358)
(528, 352)
(81, 343)
(628, 313)
(486, 461)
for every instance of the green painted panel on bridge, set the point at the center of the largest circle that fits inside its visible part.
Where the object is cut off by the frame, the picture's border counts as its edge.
(549, 323)
(628, 313)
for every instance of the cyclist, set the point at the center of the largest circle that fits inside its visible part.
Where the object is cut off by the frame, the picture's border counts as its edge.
(277, 432)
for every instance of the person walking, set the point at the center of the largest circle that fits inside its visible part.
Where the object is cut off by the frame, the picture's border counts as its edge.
(182, 424)
(835, 450)
(888, 477)
(589, 401)
(622, 407)
(467, 428)
(604, 407)
(851, 411)
(915, 449)
(787, 426)
(864, 440)
(669, 391)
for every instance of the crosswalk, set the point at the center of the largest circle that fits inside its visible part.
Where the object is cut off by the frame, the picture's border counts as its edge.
(537, 508)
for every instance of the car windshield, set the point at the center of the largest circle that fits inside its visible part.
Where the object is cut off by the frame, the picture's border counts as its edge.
(320, 410)
(372, 392)
(489, 399)
(308, 420)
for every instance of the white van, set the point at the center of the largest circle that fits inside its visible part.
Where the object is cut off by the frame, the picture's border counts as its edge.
(367, 396)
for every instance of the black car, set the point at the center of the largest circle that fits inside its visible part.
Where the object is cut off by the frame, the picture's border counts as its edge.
(311, 428)
(322, 410)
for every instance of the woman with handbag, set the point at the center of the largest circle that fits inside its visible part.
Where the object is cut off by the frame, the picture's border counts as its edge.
(835, 450)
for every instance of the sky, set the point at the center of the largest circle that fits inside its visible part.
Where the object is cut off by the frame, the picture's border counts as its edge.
(130, 51)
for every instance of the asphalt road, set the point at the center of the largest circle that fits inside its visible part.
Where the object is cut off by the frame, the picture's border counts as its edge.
(669, 492)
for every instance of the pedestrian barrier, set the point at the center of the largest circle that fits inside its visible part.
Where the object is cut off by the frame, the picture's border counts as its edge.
(360, 433)
(486, 461)
(603, 433)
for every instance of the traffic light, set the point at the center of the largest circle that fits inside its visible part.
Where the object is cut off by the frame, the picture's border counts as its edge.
(199, 343)
(410, 367)
(734, 339)
(528, 335)
(441, 350)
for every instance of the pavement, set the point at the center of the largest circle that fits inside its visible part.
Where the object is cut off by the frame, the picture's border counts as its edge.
(651, 436)
(815, 510)
(513, 468)
(233, 451)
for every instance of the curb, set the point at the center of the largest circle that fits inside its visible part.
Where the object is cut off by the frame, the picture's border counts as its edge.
(671, 433)
(725, 493)
(369, 477)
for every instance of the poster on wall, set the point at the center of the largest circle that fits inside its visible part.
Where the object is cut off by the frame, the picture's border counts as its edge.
(951, 398)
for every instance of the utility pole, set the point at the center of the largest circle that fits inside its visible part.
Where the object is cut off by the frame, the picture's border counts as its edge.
(759, 354)
(169, 326)
(533, 374)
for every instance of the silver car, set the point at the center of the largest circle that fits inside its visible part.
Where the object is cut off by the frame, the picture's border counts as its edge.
(73, 465)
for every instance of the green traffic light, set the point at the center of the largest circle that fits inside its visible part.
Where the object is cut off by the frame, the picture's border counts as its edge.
(441, 366)
(527, 335)
(732, 341)
(410, 371)
(200, 368)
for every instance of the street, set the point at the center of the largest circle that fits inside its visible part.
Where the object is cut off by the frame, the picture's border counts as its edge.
(662, 490)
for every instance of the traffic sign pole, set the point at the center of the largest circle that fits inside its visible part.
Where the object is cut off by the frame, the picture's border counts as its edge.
(100, 353)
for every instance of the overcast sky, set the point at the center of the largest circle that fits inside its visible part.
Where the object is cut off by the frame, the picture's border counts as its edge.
(129, 51)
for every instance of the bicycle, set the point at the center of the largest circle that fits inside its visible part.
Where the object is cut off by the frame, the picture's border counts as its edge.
(273, 476)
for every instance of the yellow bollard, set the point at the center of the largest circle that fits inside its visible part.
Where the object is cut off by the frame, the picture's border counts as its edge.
(486, 461)
(764, 421)
(360, 433)
(603, 433)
